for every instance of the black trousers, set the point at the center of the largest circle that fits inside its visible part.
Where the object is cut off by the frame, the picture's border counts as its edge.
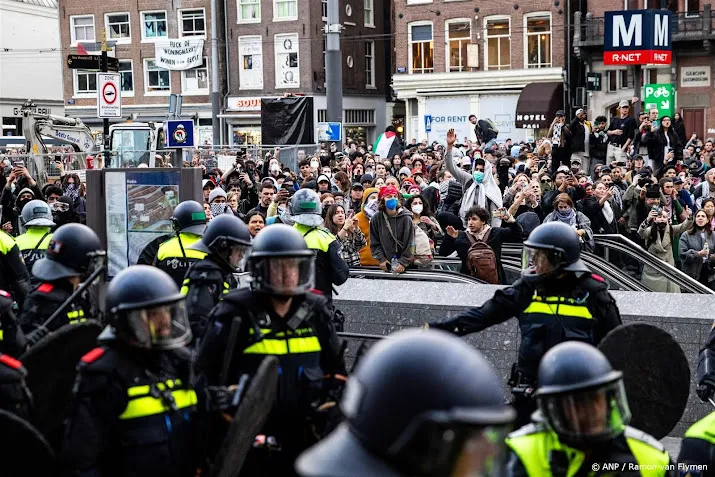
(525, 407)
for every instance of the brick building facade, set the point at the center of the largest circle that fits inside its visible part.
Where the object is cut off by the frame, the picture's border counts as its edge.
(691, 71)
(136, 26)
(456, 58)
(277, 47)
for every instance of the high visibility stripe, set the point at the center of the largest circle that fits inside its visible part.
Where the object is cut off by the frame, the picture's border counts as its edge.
(150, 406)
(576, 311)
(140, 390)
(2, 335)
(76, 316)
(281, 347)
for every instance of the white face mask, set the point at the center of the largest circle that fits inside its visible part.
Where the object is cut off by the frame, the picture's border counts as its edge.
(314, 164)
(417, 208)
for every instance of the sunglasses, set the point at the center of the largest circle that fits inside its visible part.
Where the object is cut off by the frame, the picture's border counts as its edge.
(545, 181)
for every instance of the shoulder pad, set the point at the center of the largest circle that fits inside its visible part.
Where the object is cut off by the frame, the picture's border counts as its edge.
(598, 278)
(11, 362)
(5, 294)
(316, 298)
(638, 435)
(92, 356)
(45, 288)
(591, 282)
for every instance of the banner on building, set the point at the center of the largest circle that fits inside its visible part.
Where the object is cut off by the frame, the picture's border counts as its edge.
(179, 54)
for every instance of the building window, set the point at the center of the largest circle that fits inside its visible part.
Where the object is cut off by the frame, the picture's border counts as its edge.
(196, 80)
(287, 67)
(249, 11)
(153, 25)
(192, 23)
(117, 26)
(421, 49)
(370, 64)
(651, 76)
(624, 81)
(156, 80)
(85, 82)
(127, 74)
(612, 80)
(369, 10)
(538, 41)
(82, 28)
(692, 8)
(458, 37)
(250, 51)
(286, 10)
(498, 44)
(324, 9)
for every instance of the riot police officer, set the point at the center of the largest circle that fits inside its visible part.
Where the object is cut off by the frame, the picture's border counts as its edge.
(14, 395)
(330, 269)
(278, 316)
(556, 299)
(12, 340)
(410, 412)
(174, 256)
(71, 255)
(14, 277)
(133, 407)
(225, 242)
(583, 421)
(37, 218)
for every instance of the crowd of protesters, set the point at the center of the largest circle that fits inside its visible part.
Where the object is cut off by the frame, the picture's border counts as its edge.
(642, 177)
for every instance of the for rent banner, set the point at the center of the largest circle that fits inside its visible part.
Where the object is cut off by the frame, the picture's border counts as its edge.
(179, 54)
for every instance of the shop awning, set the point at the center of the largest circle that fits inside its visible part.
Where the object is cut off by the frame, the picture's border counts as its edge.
(537, 105)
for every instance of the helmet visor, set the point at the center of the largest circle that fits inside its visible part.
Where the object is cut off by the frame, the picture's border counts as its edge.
(540, 261)
(454, 449)
(590, 415)
(284, 276)
(160, 327)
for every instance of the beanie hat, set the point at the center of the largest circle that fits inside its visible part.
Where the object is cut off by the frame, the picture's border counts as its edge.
(217, 192)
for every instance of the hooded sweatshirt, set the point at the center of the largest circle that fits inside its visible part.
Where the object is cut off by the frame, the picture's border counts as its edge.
(366, 258)
(382, 243)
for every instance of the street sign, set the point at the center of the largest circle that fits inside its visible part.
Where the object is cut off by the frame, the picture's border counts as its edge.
(637, 37)
(661, 96)
(428, 123)
(330, 132)
(179, 133)
(91, 62)
(593, 81)
(109, 95)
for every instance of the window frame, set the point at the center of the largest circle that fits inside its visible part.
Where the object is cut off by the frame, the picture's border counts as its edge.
(242, 21)
(197, 92)
(249, 39)
(180, 21)
(486, 42)
(371, 23)
(285, 19)
(167, 92)
(528, 16)
(324, 9)
(370, 79)
(294, 37)
(418, 2)
(73, 36)
(695, 14)
(410, 43)
(75, 84)
(129, 24)
(142, 20)
(447, 23)
(128, 94)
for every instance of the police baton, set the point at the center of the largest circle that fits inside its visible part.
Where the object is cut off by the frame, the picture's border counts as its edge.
(87, 283)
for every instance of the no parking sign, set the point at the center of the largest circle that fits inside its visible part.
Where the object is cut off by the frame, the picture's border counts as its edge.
(109, 95)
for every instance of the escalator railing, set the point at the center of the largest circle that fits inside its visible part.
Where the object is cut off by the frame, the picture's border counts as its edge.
(431, 275)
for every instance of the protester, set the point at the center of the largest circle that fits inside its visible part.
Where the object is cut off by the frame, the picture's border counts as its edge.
(391, 233)
(346, 229)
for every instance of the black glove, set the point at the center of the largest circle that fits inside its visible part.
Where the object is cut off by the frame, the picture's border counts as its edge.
(36, 335)
(706, 388)
(218, 398)
(448, 324)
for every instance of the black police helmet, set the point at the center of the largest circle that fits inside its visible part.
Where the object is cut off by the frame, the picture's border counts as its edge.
(222, 233)
(563, 241)
(408, 393)
(279, 240)
(138, 288)
(190, 217)
(70, 253)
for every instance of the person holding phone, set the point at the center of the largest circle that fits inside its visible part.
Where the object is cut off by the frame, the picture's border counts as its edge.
(344, 226)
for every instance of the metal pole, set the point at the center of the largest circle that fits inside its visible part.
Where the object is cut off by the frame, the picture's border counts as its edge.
(637, 80)
(334, 64)
(215, 95)
(568, 58)
(104, 67)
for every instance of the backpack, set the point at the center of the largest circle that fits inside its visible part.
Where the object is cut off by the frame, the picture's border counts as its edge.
(481, 260)
(492, 126)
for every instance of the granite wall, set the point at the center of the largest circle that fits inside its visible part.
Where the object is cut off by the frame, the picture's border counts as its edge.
(384, 306)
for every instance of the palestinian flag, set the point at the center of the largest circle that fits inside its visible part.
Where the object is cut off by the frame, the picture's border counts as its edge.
(384, 144)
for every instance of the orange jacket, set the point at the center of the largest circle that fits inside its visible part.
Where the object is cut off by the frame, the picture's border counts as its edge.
(364, 224)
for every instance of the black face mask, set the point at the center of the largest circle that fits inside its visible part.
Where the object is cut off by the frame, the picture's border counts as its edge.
(22, 203)
(325, 212)
(662, 225)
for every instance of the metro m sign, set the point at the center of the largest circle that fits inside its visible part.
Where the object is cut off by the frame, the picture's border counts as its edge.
(637, 37)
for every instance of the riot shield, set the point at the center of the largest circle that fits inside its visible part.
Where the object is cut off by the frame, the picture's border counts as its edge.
(51, 369)
(24, 451)
(656, 375)
(256, 403)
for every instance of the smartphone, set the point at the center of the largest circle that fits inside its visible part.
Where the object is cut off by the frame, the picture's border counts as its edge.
(542, 164)
(18, 163)
(351, 214)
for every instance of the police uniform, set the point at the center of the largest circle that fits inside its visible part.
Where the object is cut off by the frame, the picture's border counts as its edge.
(131, 414)
(698, 446)
(14, 395)
(329, 267)
(44, 300)
(537, 451)
(175, 257)
(33, 245)
(12, 340)
(205, 284)
(14, 274)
